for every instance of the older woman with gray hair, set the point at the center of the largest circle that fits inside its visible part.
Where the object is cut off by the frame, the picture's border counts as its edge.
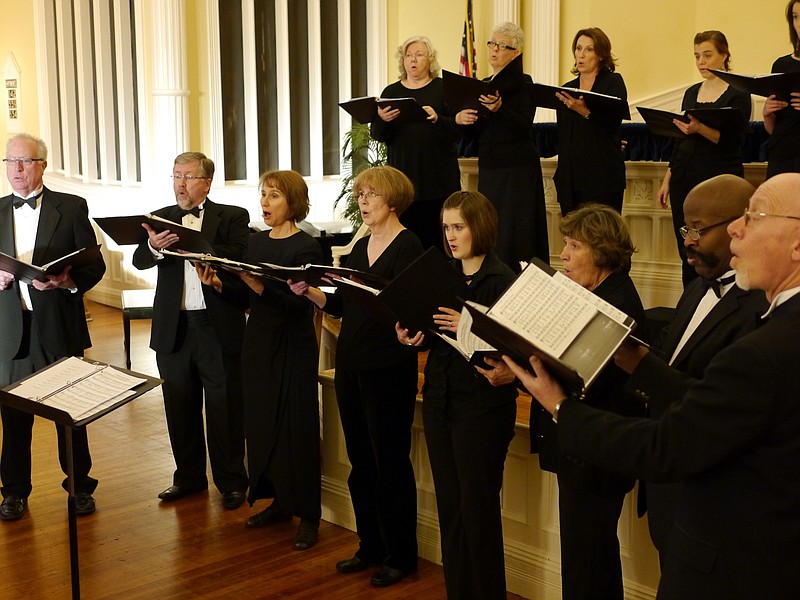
(597, 256)
(510, 173)
(426, 152)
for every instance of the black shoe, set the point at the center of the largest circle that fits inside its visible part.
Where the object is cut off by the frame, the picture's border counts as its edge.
(84, 504)
(387, 576)
(232, 500)
(176, 492)
(268, 516)
(12, 508)
(306, 535)
(353, 565)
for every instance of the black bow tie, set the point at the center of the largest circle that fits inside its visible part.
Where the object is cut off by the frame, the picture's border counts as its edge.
(716, 284)
(192, 211)
(29, 201)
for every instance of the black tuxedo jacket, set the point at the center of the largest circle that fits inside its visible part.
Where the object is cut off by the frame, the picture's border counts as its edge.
(734, 440)
(225, 227)
(63, 228)
(737, 313)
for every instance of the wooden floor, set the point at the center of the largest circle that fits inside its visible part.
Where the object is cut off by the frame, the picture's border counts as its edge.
(136, 547)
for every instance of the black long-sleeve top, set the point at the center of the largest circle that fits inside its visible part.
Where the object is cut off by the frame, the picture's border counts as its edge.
(504, 137)
(365, 343)
(452, 384)
(589, 150)
(697, 157)
(784, 143)
(426, 152)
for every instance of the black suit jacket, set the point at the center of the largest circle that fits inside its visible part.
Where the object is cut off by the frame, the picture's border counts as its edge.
(225, 227)
(734, 439)
(737, 313)
(63, 228)
(657, 383)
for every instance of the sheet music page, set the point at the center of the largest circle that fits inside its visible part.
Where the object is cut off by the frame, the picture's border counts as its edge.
(543, 310)
(468, 341)
(78, 387)
(55, 378)
(592, 298)
(90, 395)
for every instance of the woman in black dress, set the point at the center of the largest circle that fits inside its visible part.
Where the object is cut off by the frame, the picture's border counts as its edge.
(591, 167)
(597, 255)
(427, 152)
(509, 169)
(376, 387)
(468, 423)
(706, 152)
(279, 364)
(782, 119)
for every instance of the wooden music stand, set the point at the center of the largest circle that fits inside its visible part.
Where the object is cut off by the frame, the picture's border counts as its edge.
(62, 417)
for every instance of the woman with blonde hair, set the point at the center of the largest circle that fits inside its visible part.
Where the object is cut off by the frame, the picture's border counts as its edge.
(426, 151)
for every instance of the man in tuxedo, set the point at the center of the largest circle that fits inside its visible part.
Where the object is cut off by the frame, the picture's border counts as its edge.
(45, 321)
(733, 438)
(712, 313)
(198, 339)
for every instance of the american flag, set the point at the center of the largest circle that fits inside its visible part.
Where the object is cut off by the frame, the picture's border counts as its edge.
(468, 63)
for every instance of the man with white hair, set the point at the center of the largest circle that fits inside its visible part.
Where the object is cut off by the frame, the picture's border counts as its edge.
(734, 438)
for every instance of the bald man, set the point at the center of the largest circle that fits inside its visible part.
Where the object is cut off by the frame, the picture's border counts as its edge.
(733, 438)
(712, 312)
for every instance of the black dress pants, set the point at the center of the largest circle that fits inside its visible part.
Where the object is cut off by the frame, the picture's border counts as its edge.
(376, 407)
(198, 370)
(467, 458)
(15, 461)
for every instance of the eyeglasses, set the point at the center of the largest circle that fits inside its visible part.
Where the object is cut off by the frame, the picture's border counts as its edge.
(495, 46)
(694, 234)
(417, 55)
(749, 214)
(370, 194)
(25, 161)
(188, 178)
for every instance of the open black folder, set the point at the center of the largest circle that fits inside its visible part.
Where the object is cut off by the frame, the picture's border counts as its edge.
(129, 230)
(462, 92)
(545, 96)
(780, 84)
(315, 275)
(365, 109)
(659, 122)
(544, 313)
(26, 272)
(414, 296)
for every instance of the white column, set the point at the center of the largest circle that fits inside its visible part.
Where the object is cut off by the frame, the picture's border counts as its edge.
(543, 47)
(170, 90)
(377, 45)
(506, 10)
(315, 89)
(250, 91)
(345, 71)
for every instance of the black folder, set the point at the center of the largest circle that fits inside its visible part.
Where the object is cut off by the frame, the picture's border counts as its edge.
(601, 332)
(659, 122)
(128, 230)
(26, 272)
(780, 84)
(545, 96)
(462, 92)
(365, 109)
(414, 295)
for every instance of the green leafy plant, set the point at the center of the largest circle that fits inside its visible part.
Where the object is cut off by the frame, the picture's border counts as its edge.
(359, 152)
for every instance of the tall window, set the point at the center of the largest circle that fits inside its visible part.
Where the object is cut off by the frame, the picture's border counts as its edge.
(307, 55)
(91, 89)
